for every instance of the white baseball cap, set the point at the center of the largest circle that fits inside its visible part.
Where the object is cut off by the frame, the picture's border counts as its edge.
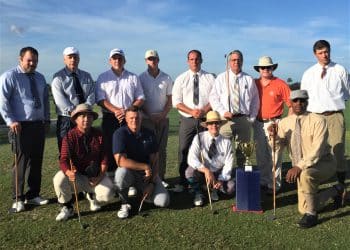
(151, 53)
(70, 50)
(116, 52)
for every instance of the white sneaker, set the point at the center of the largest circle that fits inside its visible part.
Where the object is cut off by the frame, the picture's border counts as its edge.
(18, 207)
(198, 200)
(178, 188)
(214, 195)
(124, 211)
(38, 201)
(166, 185)
(132, 191)
(94, 205)
(65, 214)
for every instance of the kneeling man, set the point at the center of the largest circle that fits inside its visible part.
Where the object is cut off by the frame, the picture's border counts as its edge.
(210, 157)
(84, 161)
(136, 153)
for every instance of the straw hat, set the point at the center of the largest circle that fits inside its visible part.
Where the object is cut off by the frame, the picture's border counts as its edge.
(212, 116)
(83, 108)
(265, 61)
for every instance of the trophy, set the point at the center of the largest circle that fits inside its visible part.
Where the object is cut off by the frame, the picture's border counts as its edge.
(247, 148)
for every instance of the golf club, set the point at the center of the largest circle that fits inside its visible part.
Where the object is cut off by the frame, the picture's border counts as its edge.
(13, 140)
(83, 226)
(273, 216)
(141, 204)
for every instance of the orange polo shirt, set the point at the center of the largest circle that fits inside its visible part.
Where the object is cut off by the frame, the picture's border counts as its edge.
(272, 96)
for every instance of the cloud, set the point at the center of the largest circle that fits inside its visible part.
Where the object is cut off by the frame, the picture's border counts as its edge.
(16, 29)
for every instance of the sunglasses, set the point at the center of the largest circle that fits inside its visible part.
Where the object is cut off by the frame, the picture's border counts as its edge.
(266, 67)
(299, 99)
(213, 123)
(152, 58)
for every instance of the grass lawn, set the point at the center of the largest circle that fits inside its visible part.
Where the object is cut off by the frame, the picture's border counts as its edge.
(181, 226)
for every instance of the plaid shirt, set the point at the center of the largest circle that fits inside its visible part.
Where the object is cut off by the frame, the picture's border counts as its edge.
(83, 149)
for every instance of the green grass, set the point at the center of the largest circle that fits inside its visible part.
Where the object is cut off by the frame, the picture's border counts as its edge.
(181, 226)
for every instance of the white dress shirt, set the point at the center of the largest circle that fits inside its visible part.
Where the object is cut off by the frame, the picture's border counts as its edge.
(183, 90)
(221, 161)
(121, 91)
(248, 94)
(329, 93)
(156, 91)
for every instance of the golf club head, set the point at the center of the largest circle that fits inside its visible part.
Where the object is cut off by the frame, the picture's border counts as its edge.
(84, 226)
(271, 217)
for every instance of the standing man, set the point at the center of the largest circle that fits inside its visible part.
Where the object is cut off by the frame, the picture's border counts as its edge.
(84, 161)
(70, 86)
(191, 97)
(136, 153)
(210, 160)
(157, 87)
(328, 86)
(273, 93)
(235, 96)
(116, 90)
(306, 134)
(24, 105)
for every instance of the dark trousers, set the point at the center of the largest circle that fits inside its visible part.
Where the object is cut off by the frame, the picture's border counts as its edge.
(109, 125)
(188, 129)
(63, 125)
(30, 148)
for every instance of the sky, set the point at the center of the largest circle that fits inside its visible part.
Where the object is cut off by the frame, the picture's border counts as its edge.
(283, 29)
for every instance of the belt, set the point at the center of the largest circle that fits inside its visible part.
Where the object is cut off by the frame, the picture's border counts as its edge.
(239, 115)
(268, 120)
(328, 113)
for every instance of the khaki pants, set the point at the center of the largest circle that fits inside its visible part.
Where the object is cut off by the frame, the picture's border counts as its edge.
(309, 181)
(64, 188)
(239, 130)
(264, 156)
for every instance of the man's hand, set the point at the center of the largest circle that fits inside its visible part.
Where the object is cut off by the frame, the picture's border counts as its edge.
(293, 174)
(272, 129)
(228, 115)
(217, 185)
(120, 114)
(94, 181)
(71, 174)
(209, 177)
(197, 113)
(16, 127)
(148, 174)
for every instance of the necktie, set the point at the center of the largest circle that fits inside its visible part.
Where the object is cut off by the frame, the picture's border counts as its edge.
(195, 90)
(296, 143)
(212, 149)
(235, 96)
(34, 90)
(324, 72)
(78, 90)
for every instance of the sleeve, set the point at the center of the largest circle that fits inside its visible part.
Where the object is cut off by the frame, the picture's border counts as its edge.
(90, 92)
(169, 86)
(319, 142)
(103, 154)
(255, 102)
(100, 94)
(65, 155)
(177, 93)
(119, 143)
(61, 101)
(214, 97)
(346, 85)
(138, 89)
(227, 169)
(194, 157)
(6, 91)
(285, 91)
(46, 102)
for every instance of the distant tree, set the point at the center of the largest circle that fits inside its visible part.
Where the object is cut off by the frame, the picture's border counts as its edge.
(295, 86)
(289, 80)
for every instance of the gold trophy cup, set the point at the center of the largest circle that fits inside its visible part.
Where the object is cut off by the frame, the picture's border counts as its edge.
(247, 149)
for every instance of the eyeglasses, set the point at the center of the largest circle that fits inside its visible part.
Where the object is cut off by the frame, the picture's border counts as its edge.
(299, 99)
(266, 67)
(213, 123)
(152, 58)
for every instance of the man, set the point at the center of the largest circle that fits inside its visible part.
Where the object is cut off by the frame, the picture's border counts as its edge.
(273, 93)
(305, 134)
(191, 97)
(70, 86)
(84, 161)
(157, 88)
(116, 90)
(136, 153)
(328, 86)
(210, 156)
(24, 105)
(235, 97)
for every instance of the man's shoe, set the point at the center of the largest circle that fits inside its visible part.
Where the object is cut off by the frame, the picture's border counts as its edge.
(178, 188)
(17, 207)
(65, 214)
(339, 198)
(198, 200)
(132, 192)
(38, 201)
(214, 195)
(123, 213)
(94, 206)
(308, 221)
